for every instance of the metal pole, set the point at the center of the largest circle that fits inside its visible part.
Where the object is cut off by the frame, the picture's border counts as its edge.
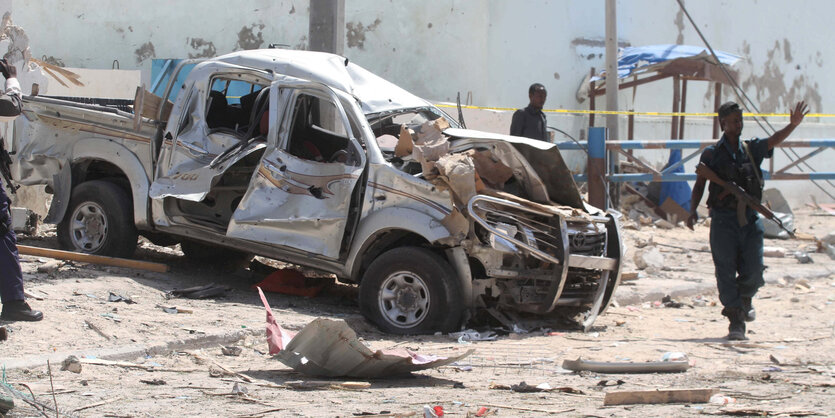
(682, 108)
(592, 95)
(612, 88)
(717, 101)
(611, 69)
(597, 167)
(676, 100)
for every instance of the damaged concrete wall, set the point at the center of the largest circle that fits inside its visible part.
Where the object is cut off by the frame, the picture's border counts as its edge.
(432, 49)
(492, 50)
(96, 34)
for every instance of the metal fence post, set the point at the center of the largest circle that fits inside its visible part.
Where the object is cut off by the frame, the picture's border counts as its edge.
(597, 167)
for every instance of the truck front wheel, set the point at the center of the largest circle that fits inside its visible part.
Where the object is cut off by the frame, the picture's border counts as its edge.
(411, 290)
(99, 220)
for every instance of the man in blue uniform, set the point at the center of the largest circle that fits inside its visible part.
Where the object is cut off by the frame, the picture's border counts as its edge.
(530, 121)
(736, 233)
(15, 307)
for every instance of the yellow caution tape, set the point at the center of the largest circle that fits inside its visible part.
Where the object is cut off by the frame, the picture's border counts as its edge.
(627, 113)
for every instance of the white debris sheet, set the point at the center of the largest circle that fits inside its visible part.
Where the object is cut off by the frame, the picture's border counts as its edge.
(331, 349)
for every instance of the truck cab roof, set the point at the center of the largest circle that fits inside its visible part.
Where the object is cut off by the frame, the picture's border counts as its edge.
(374, 93)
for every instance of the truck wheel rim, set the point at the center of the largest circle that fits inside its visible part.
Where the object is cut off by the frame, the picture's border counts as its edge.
(404, 299)
(88, 227)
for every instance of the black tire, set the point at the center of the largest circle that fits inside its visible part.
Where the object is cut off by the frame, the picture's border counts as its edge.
(99, 220)
(416, 279)
(214, 255)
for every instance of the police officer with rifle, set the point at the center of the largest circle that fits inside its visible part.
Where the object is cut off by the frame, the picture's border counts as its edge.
(734, 195)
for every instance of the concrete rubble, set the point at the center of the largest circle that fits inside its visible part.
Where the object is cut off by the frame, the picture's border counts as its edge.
(631, 338)
(649, 259)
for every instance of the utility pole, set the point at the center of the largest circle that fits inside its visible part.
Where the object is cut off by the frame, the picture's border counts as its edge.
(611, 68)
(326, 30)
(612, 74)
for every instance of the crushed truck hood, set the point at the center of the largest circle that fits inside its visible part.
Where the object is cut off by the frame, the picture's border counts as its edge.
(544, 158)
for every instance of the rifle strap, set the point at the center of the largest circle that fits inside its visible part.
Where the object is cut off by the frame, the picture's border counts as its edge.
(751, 158)
(740, 205)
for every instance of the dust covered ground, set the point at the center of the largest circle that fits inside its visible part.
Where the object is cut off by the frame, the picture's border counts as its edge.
(174, 365)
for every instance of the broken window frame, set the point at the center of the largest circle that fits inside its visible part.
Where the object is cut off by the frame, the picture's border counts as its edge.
(227, 77)
(352, 130)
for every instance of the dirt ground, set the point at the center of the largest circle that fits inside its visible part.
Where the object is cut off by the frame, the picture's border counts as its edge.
(180, 353)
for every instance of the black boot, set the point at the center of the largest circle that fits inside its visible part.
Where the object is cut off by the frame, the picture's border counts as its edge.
(736, 329)
(748, 310)
(19, 310)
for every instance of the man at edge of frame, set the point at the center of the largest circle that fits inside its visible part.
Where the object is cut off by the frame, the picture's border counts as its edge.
(12, 297)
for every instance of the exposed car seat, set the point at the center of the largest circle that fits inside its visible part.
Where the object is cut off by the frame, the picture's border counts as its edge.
(217, 114)
(247, 105)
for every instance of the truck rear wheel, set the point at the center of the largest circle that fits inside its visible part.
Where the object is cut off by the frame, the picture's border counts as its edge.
(99, 220)
(411, 290)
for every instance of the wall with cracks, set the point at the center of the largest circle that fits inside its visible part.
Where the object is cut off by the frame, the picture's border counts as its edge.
(492, 50)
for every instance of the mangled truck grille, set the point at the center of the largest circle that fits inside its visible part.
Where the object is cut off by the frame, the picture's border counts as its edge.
(551, 257)
(587, 242)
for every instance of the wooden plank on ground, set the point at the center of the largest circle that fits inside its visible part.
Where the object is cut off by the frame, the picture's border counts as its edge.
(658, 396)
(90, 258)
(326, 384)
(100, 403)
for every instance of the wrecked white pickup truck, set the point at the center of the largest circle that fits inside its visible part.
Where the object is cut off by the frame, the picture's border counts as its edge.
(306, 158)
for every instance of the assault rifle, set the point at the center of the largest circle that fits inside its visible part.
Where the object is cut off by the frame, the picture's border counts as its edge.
(6, 167)
(743, 199)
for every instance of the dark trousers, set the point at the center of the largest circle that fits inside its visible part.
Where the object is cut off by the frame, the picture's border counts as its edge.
(11, 278)
(737, 255)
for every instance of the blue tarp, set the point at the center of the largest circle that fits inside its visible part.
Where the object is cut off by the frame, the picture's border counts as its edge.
(161, 70)
(636, 59)
(679, 191)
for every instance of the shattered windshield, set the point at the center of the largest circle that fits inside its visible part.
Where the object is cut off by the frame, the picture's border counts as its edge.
(389, 122)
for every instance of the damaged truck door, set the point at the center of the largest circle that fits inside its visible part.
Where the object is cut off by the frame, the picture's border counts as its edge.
(208, 137)
(300, 195)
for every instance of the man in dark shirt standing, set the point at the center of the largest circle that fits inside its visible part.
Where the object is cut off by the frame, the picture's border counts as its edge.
(530, 121)
(736, 232)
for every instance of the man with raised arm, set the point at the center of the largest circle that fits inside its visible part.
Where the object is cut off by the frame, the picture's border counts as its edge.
(736, 232)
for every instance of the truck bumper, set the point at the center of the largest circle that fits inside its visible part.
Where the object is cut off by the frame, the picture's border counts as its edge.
(550, 257)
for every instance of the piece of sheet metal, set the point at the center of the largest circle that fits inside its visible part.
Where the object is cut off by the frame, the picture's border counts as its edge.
(331, 349)
(537, 164)
(626, 367)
